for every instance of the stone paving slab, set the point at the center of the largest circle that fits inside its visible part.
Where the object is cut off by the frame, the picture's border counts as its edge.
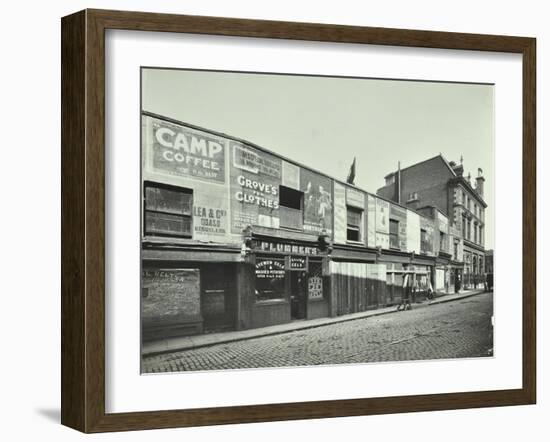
(169, 345)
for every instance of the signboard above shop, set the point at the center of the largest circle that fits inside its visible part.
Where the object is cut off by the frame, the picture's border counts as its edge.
(284, 247)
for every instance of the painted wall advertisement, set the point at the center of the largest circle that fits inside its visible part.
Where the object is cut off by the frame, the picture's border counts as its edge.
(371, 221)
(413, 232)
(255, 179)
(382, 223)
(181, 151)
(317, 202)
(382, 216)
(340, 214)
(210, 216)
(426, 238)
(400, 214)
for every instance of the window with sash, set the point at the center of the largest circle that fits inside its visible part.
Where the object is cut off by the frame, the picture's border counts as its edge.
(394, 234)
(355, 218)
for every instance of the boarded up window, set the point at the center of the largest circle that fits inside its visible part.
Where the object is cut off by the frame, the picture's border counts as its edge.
(168, 210)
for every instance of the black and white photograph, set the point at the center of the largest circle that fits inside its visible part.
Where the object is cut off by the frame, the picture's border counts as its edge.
(303, 220)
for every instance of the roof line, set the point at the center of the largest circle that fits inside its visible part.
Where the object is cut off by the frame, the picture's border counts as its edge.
(263, 149)
(425, 161)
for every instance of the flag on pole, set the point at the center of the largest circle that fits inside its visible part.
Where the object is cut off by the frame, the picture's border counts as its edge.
(351, 174)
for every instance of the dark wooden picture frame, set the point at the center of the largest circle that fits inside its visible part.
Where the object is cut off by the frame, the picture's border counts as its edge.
(83, 220)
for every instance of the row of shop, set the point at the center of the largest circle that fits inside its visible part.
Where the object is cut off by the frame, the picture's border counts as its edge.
(235, 237)
(187, 292)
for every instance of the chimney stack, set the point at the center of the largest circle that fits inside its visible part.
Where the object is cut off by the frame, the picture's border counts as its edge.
(479, 182)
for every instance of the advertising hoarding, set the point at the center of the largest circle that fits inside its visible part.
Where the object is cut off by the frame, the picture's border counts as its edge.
(181, 151)
(340, 214)
(255, 177)
(317, 201)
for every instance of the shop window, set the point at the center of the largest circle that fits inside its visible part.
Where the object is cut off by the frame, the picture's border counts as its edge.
(394, 234)
(315, 280)
(291, 208)
(270, 279)
(167, 210)
(355, 218)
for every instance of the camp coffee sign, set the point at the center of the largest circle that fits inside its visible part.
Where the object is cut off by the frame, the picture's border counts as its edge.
(186, 152)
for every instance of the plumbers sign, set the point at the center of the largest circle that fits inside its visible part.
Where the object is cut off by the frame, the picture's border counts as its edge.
(182, 151)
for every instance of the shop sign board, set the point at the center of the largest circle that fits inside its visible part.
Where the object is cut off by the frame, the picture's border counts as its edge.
(283, 247)
(317, 191)
(178, 150)
(297, 262)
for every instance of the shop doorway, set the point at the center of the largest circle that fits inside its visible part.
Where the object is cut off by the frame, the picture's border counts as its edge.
(298, 295)
(218, 300)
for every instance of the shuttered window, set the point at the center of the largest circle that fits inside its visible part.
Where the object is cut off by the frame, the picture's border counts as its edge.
(167, 210)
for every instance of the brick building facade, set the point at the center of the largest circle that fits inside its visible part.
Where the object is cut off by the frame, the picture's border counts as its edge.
(436, 184)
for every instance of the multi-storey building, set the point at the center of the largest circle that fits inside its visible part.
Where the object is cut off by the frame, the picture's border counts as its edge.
(235, 236)
(437, 183)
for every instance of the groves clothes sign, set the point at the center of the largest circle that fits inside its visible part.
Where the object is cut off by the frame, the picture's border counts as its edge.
(181, 151)
(255, 178)
(317, 191)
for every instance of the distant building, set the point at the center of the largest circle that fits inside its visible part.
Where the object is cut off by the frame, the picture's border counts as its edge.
(438, 184)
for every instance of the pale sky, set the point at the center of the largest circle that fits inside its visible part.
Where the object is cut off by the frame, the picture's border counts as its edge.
(323, 122)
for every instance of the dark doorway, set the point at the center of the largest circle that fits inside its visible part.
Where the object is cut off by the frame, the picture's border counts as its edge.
(298, 296)
(218, 297)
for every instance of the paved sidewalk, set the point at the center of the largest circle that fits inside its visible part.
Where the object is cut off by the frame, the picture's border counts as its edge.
(191, 342)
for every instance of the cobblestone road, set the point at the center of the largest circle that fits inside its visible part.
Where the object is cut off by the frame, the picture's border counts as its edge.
(451, 330)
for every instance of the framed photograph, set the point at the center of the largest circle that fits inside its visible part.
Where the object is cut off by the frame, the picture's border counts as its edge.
(268, 220)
